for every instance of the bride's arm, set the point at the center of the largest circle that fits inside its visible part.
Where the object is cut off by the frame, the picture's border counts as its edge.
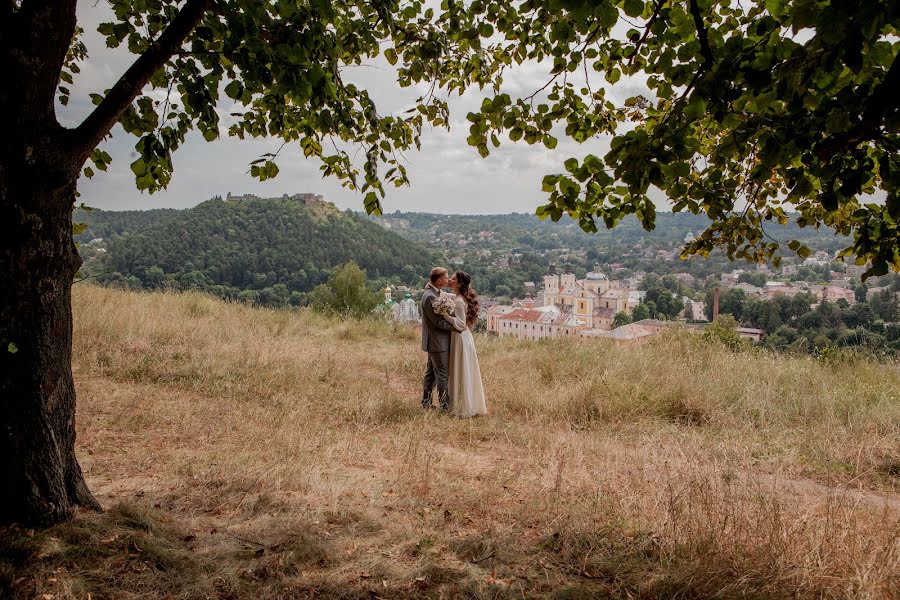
(457, 323)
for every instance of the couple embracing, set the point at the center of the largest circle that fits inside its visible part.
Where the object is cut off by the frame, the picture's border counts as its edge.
(447, 323)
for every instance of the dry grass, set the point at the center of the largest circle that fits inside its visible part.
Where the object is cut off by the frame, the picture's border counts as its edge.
(267, 454)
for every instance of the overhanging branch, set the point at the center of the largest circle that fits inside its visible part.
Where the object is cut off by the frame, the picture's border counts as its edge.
(98, 123)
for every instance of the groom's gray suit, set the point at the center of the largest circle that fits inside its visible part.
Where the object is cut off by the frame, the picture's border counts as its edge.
(436, 342)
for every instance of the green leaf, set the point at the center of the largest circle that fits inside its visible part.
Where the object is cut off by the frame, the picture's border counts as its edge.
(696, 108)
(633, 8)
(139, 167)
(234, 90)
(12, 348)
(145, 182)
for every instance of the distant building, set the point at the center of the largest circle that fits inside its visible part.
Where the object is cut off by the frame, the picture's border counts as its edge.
(493, 313)
(750, 333)
(240, 197)
(778, 288)
(406, 311)
(873, 291)
(857, 270)
(639, 332)
(833, 294)
(749, 289)
(635, 297)
(730, 279)
(694, 310)
(841, 282)
(539, 323)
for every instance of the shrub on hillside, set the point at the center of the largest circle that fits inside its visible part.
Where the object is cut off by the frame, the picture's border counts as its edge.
(724, 331)
(345, 293)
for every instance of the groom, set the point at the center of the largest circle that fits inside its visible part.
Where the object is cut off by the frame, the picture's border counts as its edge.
(436, 342)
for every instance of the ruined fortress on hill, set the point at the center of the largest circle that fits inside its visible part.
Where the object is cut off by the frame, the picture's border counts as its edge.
(305, 198)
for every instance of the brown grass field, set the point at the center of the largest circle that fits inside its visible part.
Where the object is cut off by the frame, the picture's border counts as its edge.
(248, 453)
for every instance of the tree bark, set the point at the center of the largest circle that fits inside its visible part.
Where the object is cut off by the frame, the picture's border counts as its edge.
(42, 481)
(41, 476)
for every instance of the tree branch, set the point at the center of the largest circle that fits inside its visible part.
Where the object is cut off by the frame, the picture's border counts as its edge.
(100, 122)
(702, 36)
(650, 22)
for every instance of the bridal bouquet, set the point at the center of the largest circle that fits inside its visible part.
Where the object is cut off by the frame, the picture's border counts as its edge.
(444, 304)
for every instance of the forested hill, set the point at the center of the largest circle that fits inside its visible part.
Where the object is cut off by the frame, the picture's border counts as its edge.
(258, 249)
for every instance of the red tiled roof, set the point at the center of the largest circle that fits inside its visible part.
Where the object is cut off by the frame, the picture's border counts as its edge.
(523, 314)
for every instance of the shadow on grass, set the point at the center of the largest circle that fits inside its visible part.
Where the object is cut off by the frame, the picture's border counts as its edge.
(139, 549)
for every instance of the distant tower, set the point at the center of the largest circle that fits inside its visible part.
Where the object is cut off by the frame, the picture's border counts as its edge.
(551, 289)
(388, 296)
(584, 306)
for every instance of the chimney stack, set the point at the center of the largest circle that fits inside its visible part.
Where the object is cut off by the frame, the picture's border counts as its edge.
(715, 304)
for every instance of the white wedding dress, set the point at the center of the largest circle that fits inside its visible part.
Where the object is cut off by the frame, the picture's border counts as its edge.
(465, 385)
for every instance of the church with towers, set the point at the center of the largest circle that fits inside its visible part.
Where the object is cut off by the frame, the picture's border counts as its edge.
(592, 300)
(565, 306)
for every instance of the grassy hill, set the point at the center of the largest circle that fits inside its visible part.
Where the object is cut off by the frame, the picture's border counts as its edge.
(252, 453)
(265, 248)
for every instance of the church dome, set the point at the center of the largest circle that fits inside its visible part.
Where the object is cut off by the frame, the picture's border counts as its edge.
(596, 274)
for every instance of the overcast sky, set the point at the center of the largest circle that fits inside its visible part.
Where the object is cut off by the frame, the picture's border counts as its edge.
(447, 175)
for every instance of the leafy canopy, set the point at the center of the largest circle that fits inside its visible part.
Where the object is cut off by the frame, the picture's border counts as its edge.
(777, 110)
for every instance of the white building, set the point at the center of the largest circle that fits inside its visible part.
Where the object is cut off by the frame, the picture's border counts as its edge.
(406, 311)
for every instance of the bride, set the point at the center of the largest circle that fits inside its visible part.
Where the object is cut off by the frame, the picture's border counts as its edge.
(465, 374)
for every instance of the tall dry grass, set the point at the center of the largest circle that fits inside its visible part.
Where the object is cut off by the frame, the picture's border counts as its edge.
(291, 447)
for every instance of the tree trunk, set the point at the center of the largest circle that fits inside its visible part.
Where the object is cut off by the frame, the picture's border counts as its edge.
(40, 475)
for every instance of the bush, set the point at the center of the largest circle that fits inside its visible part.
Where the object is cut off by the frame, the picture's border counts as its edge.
(724, 331)
(345, 293)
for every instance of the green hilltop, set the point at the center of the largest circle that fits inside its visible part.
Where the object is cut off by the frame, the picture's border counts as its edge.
(269, 251)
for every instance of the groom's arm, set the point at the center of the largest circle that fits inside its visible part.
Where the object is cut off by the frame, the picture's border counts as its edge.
(434, 318)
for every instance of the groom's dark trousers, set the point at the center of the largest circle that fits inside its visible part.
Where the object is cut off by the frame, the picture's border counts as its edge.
(436, 342)
(436, 372)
